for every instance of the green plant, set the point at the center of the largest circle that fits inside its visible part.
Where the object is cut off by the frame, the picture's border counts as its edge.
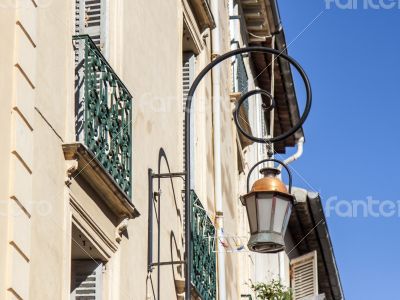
(271, 291)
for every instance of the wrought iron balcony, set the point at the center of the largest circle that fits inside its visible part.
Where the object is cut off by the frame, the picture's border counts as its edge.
(103, 112)
(203, 253)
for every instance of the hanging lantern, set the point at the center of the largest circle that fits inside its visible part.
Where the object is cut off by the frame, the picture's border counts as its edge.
(268, 205)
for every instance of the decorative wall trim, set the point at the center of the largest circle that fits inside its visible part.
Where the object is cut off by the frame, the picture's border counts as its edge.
(13, 244)
(16, 154)
(26, 33)
(84, 221)
(25, 75)
(190, 20)
(48, 123)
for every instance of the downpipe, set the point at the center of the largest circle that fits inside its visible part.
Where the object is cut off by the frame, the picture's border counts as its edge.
(298, 154)
(294, 157)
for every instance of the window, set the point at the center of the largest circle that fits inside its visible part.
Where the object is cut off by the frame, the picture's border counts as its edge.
(87, 268)
(240, 78)
(240, 87)
(90, 20)
(304, 276)
(188, 65)
(187, 74)
(86, 277)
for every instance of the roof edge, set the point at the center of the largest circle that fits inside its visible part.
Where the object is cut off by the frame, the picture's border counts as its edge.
(315, 204)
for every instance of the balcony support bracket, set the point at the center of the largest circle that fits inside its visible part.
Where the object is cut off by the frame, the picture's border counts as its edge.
(86, 167)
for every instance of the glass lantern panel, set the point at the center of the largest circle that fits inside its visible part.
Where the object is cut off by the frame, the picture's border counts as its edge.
(287, 218)
(281, 209)
(252, 212)
(264, 211)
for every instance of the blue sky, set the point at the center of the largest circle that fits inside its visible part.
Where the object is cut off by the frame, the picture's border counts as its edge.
(352, 151)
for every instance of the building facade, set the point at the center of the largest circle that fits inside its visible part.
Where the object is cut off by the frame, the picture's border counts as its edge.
(93, 96)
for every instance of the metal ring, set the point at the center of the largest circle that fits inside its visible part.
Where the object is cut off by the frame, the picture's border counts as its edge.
(240, 103)
(278, 53)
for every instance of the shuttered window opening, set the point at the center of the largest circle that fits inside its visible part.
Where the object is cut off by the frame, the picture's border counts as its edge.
(185, 81)
(304, 276)
(90, 20)
(78, 16)
(86, 280)
(188, 69)
(240, 87)
(187, 74)
(93, 20)
(240, 80)
(241, 75)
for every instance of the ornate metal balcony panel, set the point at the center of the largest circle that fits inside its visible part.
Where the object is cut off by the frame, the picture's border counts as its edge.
(103, 110)
(203, 253)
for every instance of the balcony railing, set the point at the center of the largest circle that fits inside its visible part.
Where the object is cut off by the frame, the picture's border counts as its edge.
(203, 251)
(103, 110)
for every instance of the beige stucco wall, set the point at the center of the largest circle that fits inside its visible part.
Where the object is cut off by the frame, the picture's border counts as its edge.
(7, 20)
(151, 69)
(229, 167)
(145, 39)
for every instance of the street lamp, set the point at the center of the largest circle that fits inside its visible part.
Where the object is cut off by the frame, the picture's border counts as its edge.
(250, 50)
(269, 205)
(263, 246)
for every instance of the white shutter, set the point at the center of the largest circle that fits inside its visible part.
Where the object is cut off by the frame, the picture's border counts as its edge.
(304, 276)
(79, 49)
(79, 16)
(188, 65)
(86, 280)
(90, 19)
(187, 74)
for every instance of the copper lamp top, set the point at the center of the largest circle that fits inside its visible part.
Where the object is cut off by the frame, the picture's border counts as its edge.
(269, 183)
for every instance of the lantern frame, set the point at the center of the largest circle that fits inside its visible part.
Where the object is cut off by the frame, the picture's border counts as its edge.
(269, 240)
